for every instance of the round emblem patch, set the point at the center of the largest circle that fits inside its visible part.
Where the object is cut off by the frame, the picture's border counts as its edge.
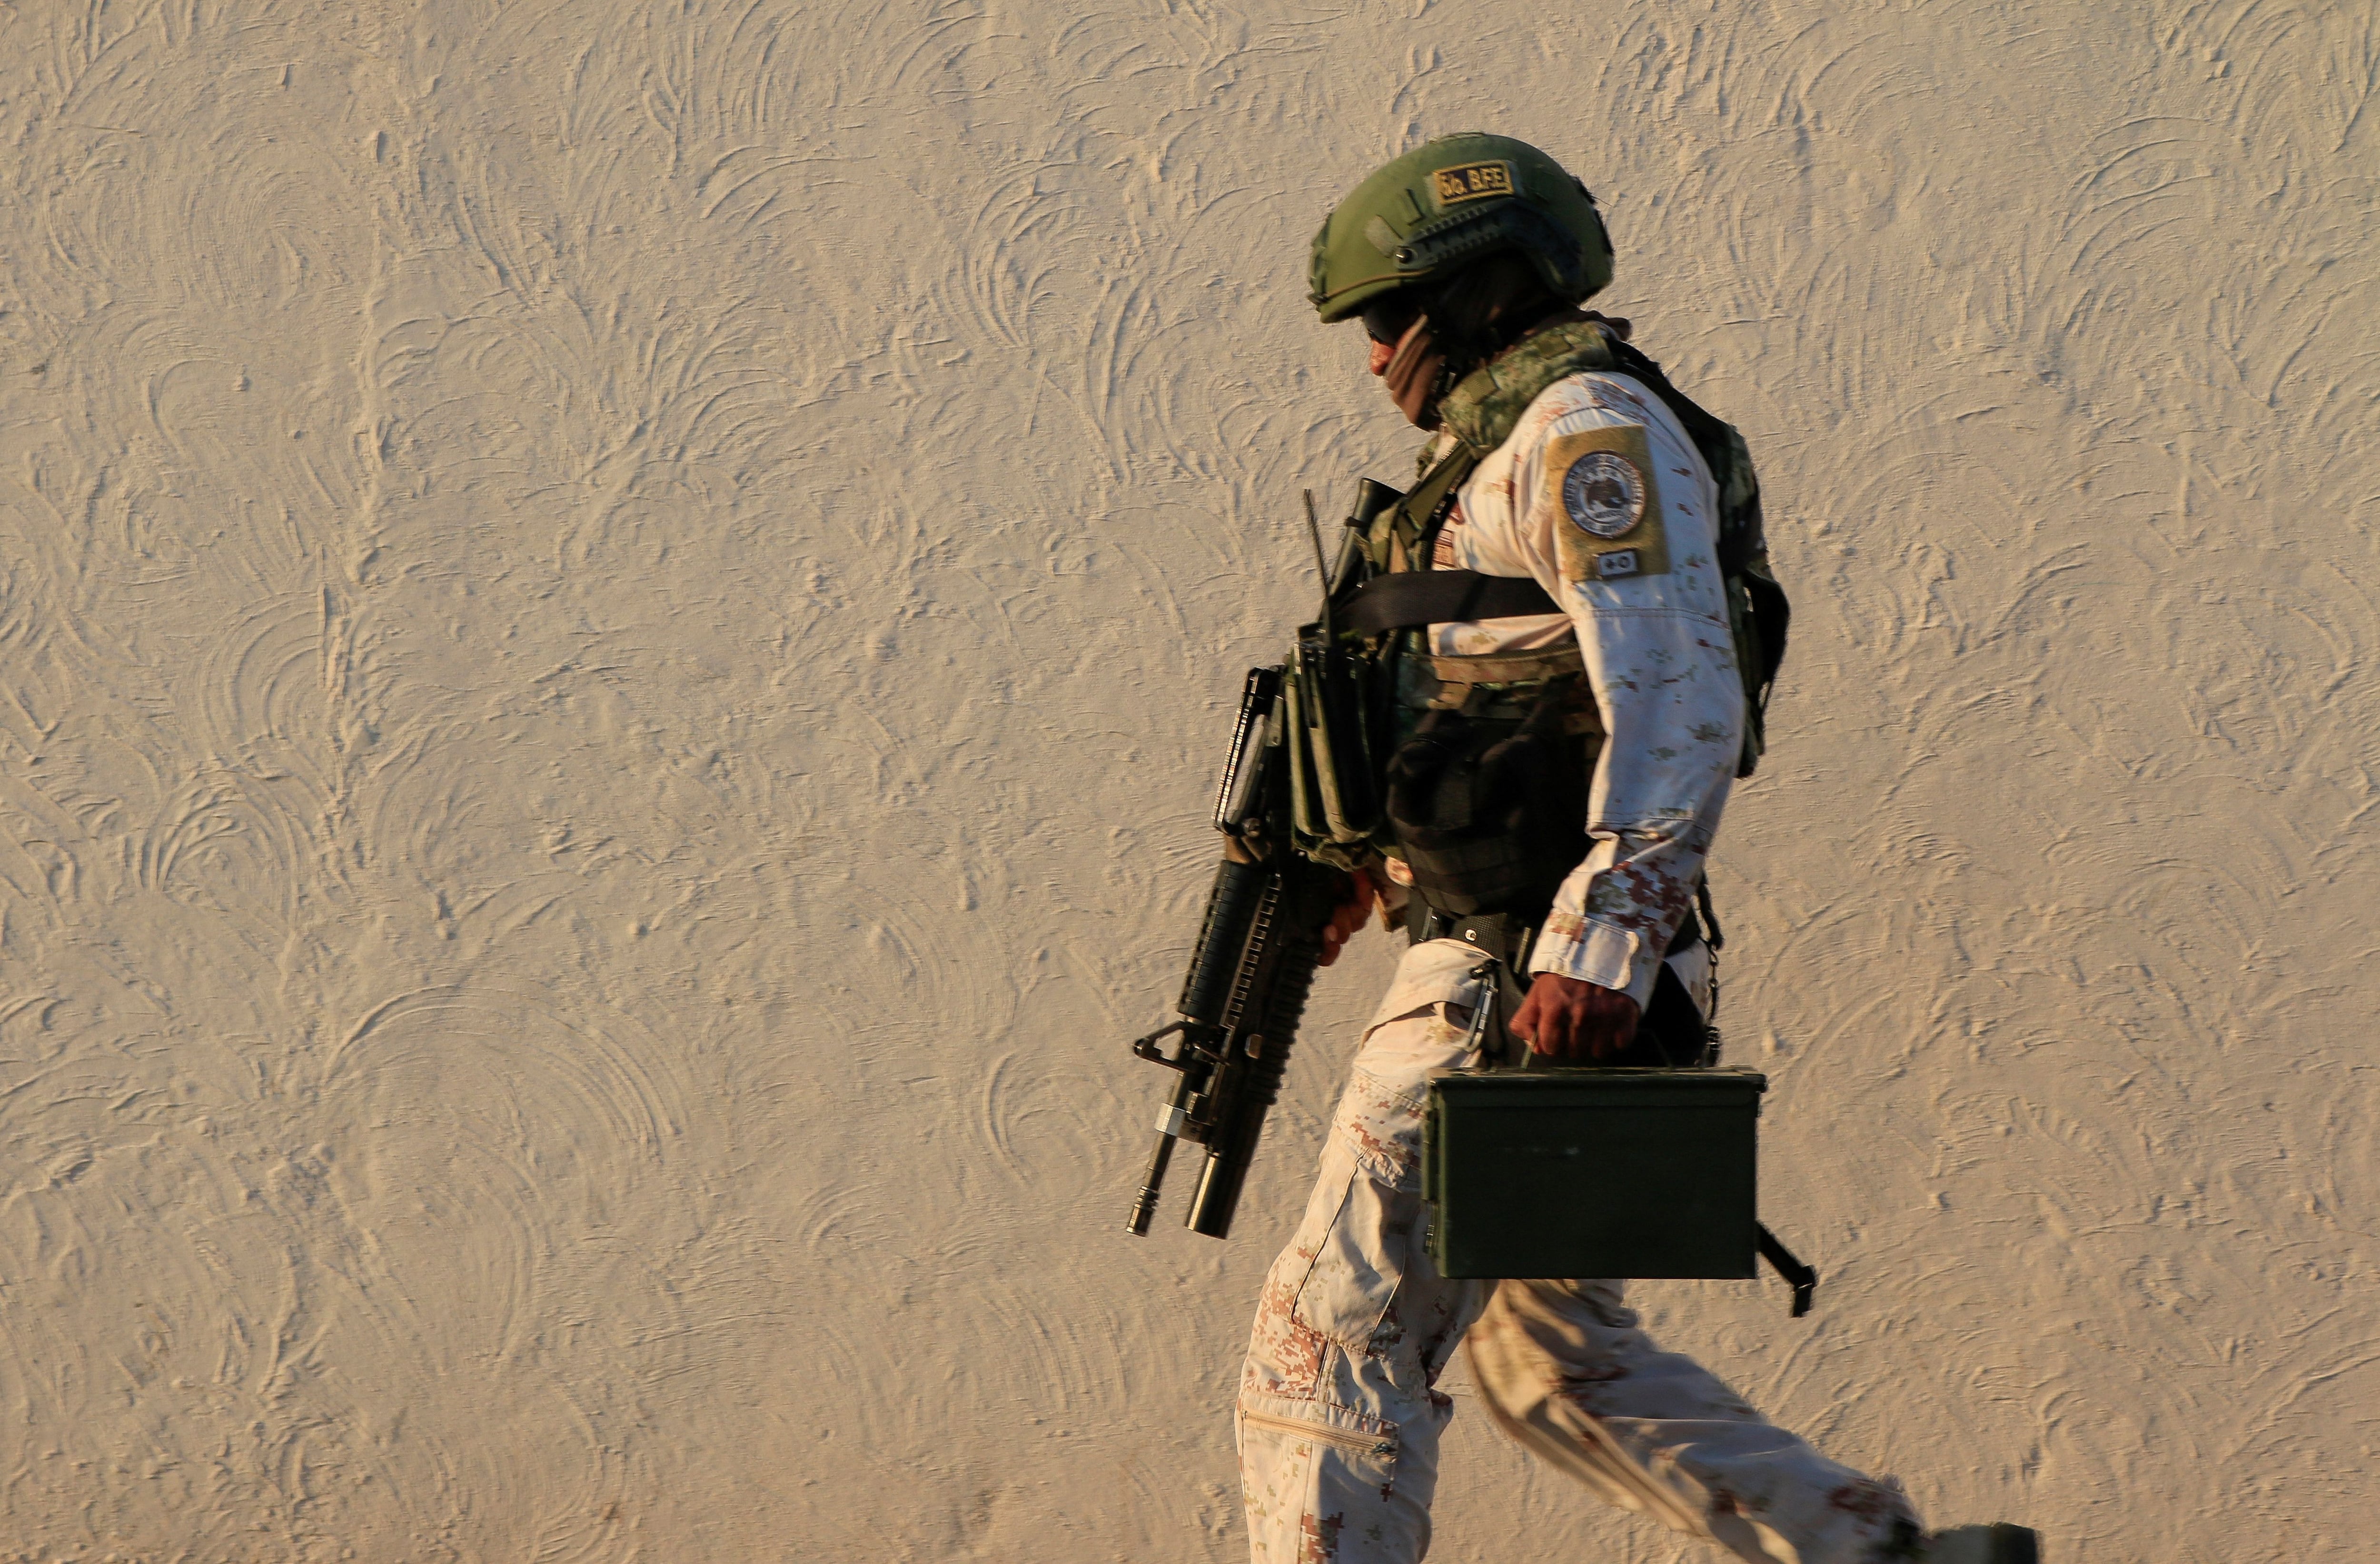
(1604, 493)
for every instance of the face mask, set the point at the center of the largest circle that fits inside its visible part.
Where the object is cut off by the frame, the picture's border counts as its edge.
(1412, 374)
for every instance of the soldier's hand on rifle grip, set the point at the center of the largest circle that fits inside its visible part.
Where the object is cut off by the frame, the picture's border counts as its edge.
(1573, 1021)
(1348, 916)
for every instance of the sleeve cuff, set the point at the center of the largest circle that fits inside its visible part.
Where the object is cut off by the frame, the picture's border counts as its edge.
(1594, 951)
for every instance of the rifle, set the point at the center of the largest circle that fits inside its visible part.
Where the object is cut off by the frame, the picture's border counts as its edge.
(1296, 797)
(1259, 945)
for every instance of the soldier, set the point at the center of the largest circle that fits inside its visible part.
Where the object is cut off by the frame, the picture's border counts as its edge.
(1571, 500)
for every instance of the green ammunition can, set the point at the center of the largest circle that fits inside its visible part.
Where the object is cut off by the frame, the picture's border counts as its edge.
(1593, 1172)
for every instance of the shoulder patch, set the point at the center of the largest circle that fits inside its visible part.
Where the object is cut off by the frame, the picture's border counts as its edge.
(1599, 485)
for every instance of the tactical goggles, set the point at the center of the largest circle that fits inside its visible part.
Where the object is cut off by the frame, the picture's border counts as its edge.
(1386, 320)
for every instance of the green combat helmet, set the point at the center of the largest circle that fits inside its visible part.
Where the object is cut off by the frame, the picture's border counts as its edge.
(1442, 207)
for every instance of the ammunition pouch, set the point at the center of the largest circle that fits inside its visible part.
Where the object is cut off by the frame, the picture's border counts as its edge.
(1488, 796)
(1330, 712)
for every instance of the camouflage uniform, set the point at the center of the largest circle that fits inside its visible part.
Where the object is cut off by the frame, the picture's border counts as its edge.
(1339, 1416)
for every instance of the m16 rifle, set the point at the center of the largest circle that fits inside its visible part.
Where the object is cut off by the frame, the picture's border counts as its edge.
(1294, 807)
(1257, 948)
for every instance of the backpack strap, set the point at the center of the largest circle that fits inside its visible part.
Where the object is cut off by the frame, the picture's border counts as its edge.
(1758, 614)
(1401, 537)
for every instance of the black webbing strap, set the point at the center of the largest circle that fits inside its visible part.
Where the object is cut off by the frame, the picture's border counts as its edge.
(1800, 1277)
(1408, 599)
(1711, 930)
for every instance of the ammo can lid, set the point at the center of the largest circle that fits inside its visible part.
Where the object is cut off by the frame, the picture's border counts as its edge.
(1593, 1087)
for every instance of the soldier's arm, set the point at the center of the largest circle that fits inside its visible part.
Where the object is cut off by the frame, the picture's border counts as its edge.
(1616, 517)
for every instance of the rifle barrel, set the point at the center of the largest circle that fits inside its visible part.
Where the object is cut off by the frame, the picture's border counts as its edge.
(1146, 1207)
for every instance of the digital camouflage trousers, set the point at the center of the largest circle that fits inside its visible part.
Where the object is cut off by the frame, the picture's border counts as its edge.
(1339, 1413)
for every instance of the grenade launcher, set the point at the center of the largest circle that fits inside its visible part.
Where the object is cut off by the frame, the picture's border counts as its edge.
(1258, 946)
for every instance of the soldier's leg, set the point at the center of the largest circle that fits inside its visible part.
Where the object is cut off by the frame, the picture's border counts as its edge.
(1564, 1370)
(1339, 1417)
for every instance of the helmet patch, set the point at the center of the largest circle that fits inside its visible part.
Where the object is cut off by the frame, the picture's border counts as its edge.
(1604, 493)
(1471, 181)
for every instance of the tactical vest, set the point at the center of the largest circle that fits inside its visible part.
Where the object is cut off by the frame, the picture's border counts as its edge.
(1480, 413)
(1479, 766)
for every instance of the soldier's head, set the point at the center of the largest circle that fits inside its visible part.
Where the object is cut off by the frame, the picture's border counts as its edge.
(1451, 253)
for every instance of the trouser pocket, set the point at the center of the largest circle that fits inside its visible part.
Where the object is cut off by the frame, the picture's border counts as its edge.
(1322, 1484)
(1358, 1256)
(1355, 1436)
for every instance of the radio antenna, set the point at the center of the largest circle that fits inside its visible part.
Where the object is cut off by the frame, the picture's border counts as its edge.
(1321, 568)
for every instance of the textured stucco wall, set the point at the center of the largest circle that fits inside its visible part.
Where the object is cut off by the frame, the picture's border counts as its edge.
(615, 616)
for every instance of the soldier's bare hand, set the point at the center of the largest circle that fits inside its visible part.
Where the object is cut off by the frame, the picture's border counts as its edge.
(1348, 916)
(1565, 1019)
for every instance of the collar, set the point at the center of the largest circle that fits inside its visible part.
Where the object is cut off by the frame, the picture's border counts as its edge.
(1484, 405)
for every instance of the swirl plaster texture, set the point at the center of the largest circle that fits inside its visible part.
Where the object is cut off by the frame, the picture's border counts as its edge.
(615, 617)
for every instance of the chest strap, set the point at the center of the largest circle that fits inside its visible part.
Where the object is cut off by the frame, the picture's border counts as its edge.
(1408, 599)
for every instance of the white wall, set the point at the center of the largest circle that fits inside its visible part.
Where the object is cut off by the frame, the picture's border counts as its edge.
(615, 619)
